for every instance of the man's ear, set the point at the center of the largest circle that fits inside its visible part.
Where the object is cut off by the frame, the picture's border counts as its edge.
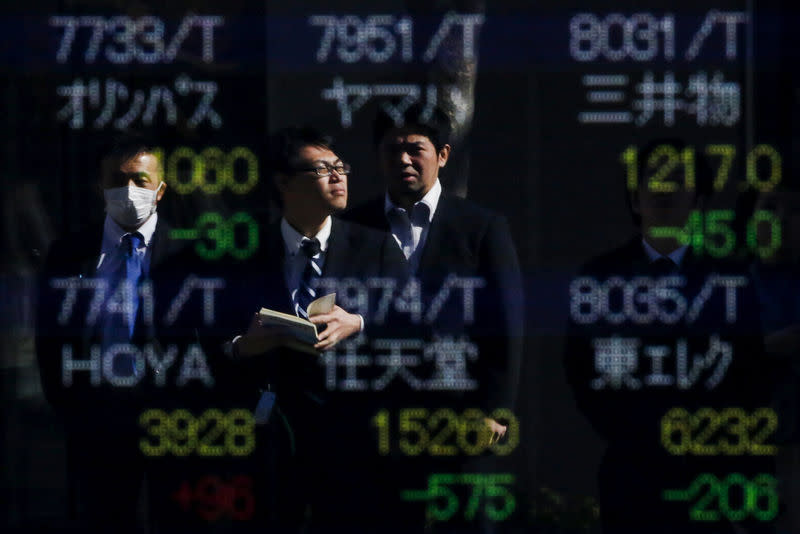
(444, 153)
(161, 188)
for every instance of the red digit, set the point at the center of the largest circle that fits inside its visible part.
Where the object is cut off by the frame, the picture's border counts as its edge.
(242, 501)
(184, 496)
(208, 496)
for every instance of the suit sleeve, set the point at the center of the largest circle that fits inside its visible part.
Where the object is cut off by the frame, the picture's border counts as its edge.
(500, 317)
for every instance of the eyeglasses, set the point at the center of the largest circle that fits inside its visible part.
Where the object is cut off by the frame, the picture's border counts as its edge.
(326, 169)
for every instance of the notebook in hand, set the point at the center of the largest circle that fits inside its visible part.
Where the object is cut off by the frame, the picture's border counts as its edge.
(301, 334)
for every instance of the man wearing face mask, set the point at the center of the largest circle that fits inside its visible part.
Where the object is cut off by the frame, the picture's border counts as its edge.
(98, 334)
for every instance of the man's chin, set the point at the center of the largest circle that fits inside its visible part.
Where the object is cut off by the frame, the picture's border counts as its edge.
(338, 205)
(402, 188)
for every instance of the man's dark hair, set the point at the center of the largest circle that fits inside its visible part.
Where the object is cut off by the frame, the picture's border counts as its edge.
(433, 123)
(283, 148)
(127, 145)
(286, 143)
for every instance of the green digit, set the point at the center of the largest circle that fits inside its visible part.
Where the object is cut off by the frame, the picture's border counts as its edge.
(217, 231)
(775, 168)
(700, 511)
(251, 244)
(693, 232)
(718, 223)
(495, 490)
(764, 486)
(724, 497)
(763, 216)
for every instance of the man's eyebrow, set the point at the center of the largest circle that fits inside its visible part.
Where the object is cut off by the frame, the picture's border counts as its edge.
(137, 174)
(406, 143)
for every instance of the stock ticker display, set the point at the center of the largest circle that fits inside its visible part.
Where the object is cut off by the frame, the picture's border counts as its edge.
(614, 351)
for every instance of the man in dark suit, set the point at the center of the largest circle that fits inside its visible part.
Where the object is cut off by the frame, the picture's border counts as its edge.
(448, 242)
(101, 342)
(663, 362)
(312, 431)
(443, 236)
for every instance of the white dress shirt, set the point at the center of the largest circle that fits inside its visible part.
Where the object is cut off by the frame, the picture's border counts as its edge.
(676, 255)
(410, 231)
(295, 261)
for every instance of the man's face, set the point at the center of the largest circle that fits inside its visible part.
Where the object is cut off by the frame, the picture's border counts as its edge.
(410, 163)
(141, 171)
(308, 190)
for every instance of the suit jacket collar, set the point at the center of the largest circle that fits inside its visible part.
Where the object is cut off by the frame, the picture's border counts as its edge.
(88, 253)
(441, 226)
(337, 260)
(336, 257)
(339, 245)
(163, 247)
(274, 254)
(375, 214)
(634, 250)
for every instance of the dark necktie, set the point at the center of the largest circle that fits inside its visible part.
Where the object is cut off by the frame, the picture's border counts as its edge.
(402, 225)
(305, 291)
(662, 267)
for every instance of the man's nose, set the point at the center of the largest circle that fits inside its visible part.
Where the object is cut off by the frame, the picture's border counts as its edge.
(405, 157)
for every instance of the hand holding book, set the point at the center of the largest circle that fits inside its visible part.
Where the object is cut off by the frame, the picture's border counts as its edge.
(271, 329)
(341, 325)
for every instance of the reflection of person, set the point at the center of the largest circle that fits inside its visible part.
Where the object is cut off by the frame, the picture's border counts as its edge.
(89, 345)
(307, 244)
(442, 235)
(445, 240)
(312, 183)
(641, 356)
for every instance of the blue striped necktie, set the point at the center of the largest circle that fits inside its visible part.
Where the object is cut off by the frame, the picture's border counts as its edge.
(305, 291)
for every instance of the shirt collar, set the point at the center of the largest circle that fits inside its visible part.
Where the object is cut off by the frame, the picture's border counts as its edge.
(113, 232)
(292, 238)
(431, 199)
(652, 254)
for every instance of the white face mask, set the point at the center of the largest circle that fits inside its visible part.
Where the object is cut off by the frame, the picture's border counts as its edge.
(131, 206)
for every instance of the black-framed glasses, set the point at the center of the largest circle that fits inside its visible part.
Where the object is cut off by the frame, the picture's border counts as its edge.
(326, 169)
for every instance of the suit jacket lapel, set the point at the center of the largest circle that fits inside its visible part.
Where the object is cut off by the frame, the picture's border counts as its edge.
(89, 255)
(432, 249)
(337, 255)
(162, 246)
(277, 295)
(379, 214)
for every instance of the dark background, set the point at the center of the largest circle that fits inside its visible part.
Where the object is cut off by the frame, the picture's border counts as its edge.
(559, 182)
